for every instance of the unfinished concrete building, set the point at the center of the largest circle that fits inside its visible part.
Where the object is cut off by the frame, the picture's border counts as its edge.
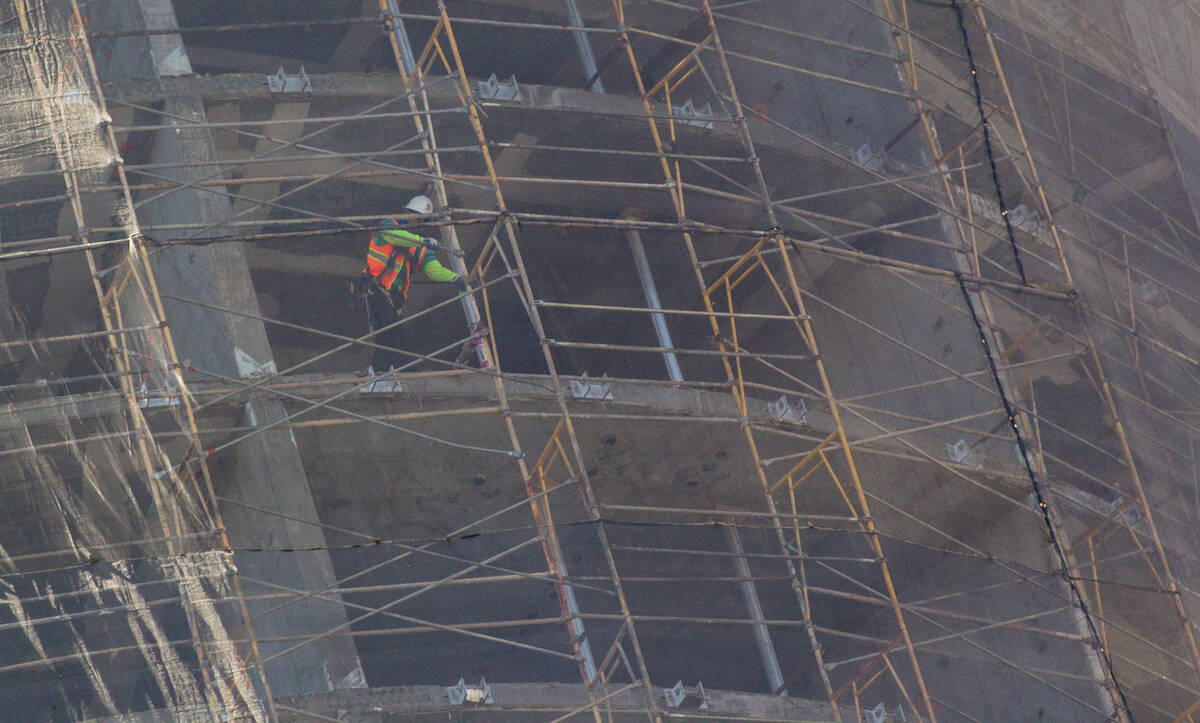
(822, 360)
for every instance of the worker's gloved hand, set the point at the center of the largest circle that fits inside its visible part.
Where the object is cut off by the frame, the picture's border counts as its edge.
(461, 283)
(431, 243)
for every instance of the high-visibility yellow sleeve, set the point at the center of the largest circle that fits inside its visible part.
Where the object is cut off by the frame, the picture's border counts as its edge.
(400, 237)
(434, 270)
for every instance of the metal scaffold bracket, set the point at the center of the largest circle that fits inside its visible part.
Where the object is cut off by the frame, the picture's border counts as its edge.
(686, 698)
(962, 453)
(151, 402)
(463, 694)
(495, 89)
(1026, 219)
(587, 389)
(76, 96)
(1129, 513)
(880, 714)
(385, 386)
(281, 82)
(870, 159)
(149, 397)
(250, 368)
(700, 117)
(1152, 294)
(785, 411)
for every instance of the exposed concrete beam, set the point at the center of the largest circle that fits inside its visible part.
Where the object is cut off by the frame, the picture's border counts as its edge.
(359, 38)
(1136, 180)
(621, 108)
(552, 699)
(51, 410)
(228, 59)
(521, 702)
(245, 86)
(634, 398)
(253, 206)
(288, 262)
(653, 398)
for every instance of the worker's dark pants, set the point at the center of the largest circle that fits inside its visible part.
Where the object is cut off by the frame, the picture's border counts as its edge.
(383, 314)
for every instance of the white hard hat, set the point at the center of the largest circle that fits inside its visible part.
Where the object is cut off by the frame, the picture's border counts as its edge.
(421, 205)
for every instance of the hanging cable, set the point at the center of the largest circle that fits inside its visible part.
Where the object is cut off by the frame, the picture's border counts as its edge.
(987, 142)
(1065, 565)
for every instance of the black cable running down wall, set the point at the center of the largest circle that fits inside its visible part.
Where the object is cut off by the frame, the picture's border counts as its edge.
(1041, 500)
(987, 141)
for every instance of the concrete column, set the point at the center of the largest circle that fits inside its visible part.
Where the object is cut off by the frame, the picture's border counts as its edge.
(762, 634)
(266, 471)
(584, 45)
(398, 29)
(638, 252)
(285, 130)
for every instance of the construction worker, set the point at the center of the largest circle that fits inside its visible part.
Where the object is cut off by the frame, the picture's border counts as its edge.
(393, 254)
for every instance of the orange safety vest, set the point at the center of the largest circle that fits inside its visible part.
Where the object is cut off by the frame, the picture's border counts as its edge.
(391, 265)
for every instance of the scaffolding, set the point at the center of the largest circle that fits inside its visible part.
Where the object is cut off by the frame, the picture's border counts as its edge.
(818, 361)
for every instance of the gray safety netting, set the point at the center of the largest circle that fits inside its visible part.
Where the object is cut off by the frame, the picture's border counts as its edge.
(914, 434)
